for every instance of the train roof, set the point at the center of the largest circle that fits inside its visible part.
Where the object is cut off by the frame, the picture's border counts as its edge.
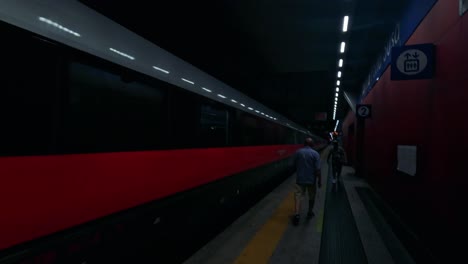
(76, 25)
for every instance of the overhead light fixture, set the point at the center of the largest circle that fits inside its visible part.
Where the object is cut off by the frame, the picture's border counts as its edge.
(188, 81)
(222, 96)
(57, 25)
(337, 89)
(339, 74)
(121, 53)
(234, 101)
(336, 99)
(208, 90)
(256, 111)
(378, 78)
(345, 23)
(343, 45)
(161, 70)
(336, 94)
(338, 83)
(250, 108)
(243, 105)
(340, 63)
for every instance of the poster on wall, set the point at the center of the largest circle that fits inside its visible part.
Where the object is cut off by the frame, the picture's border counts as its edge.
(407, 159)
(463, 6)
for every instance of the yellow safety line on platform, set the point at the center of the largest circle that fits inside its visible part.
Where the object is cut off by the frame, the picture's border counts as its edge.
(263, 244)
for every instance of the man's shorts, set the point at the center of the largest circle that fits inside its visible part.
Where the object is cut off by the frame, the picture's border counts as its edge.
(301, 189)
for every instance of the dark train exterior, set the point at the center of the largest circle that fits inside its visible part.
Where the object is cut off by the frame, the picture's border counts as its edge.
(101, 163)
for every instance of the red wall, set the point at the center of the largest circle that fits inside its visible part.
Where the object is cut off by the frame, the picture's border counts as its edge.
(432, 114)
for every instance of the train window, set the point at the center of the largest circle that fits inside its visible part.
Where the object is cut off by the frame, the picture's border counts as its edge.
(214, 126)
(107, 112)
(28, 94)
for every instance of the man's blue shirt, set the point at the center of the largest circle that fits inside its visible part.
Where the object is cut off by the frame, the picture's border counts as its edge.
(307, 161)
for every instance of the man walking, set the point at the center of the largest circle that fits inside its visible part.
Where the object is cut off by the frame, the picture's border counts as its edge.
(307, 164)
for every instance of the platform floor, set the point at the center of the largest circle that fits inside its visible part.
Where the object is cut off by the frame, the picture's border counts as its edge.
(347, 228)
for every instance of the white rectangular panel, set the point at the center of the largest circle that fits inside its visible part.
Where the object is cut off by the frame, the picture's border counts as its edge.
(407, 159)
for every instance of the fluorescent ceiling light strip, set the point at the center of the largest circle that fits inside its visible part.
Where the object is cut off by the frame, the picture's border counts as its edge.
(339, 74)
(345, 23)
(188, 81)
(208, 90)
(161, 70)
(57, 25)
(234, 101)
(122, 54)
(343, 46)
(337, 89)
(338, 83)
(222, 96)
(243, 105)
(340, 63)
(250, 108)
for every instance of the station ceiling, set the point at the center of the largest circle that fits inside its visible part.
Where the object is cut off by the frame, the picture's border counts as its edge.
(282, 53)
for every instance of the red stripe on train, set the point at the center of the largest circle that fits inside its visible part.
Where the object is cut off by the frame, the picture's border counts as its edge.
(40, 195)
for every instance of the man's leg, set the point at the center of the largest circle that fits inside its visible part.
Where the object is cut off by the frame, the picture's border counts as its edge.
(338, 173)
(298, 195)
(312, 191)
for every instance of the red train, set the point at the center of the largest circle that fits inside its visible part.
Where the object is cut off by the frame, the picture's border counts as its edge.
(114, 150)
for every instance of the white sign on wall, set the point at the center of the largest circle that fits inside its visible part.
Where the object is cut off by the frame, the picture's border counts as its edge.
(407, 159)
(463, 6)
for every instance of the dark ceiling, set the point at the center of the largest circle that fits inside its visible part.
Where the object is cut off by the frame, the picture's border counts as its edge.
(283, 53)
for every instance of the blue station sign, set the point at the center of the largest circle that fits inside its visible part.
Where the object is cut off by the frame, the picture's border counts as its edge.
(413, 62)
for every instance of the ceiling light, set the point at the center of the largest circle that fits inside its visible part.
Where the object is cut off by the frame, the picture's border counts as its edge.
(250, 108)
(122, 54)
(337, 89)
(339, 74)
(208, 90)
(338, 83)
(243, 105)
(340, 63)
(57, 25)
(336, 99)
(256, 111)
(345, 23)
(161, 70)
(222, 96)
(234, 101)
(185, 80)
(343, 45)
(336, 94)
